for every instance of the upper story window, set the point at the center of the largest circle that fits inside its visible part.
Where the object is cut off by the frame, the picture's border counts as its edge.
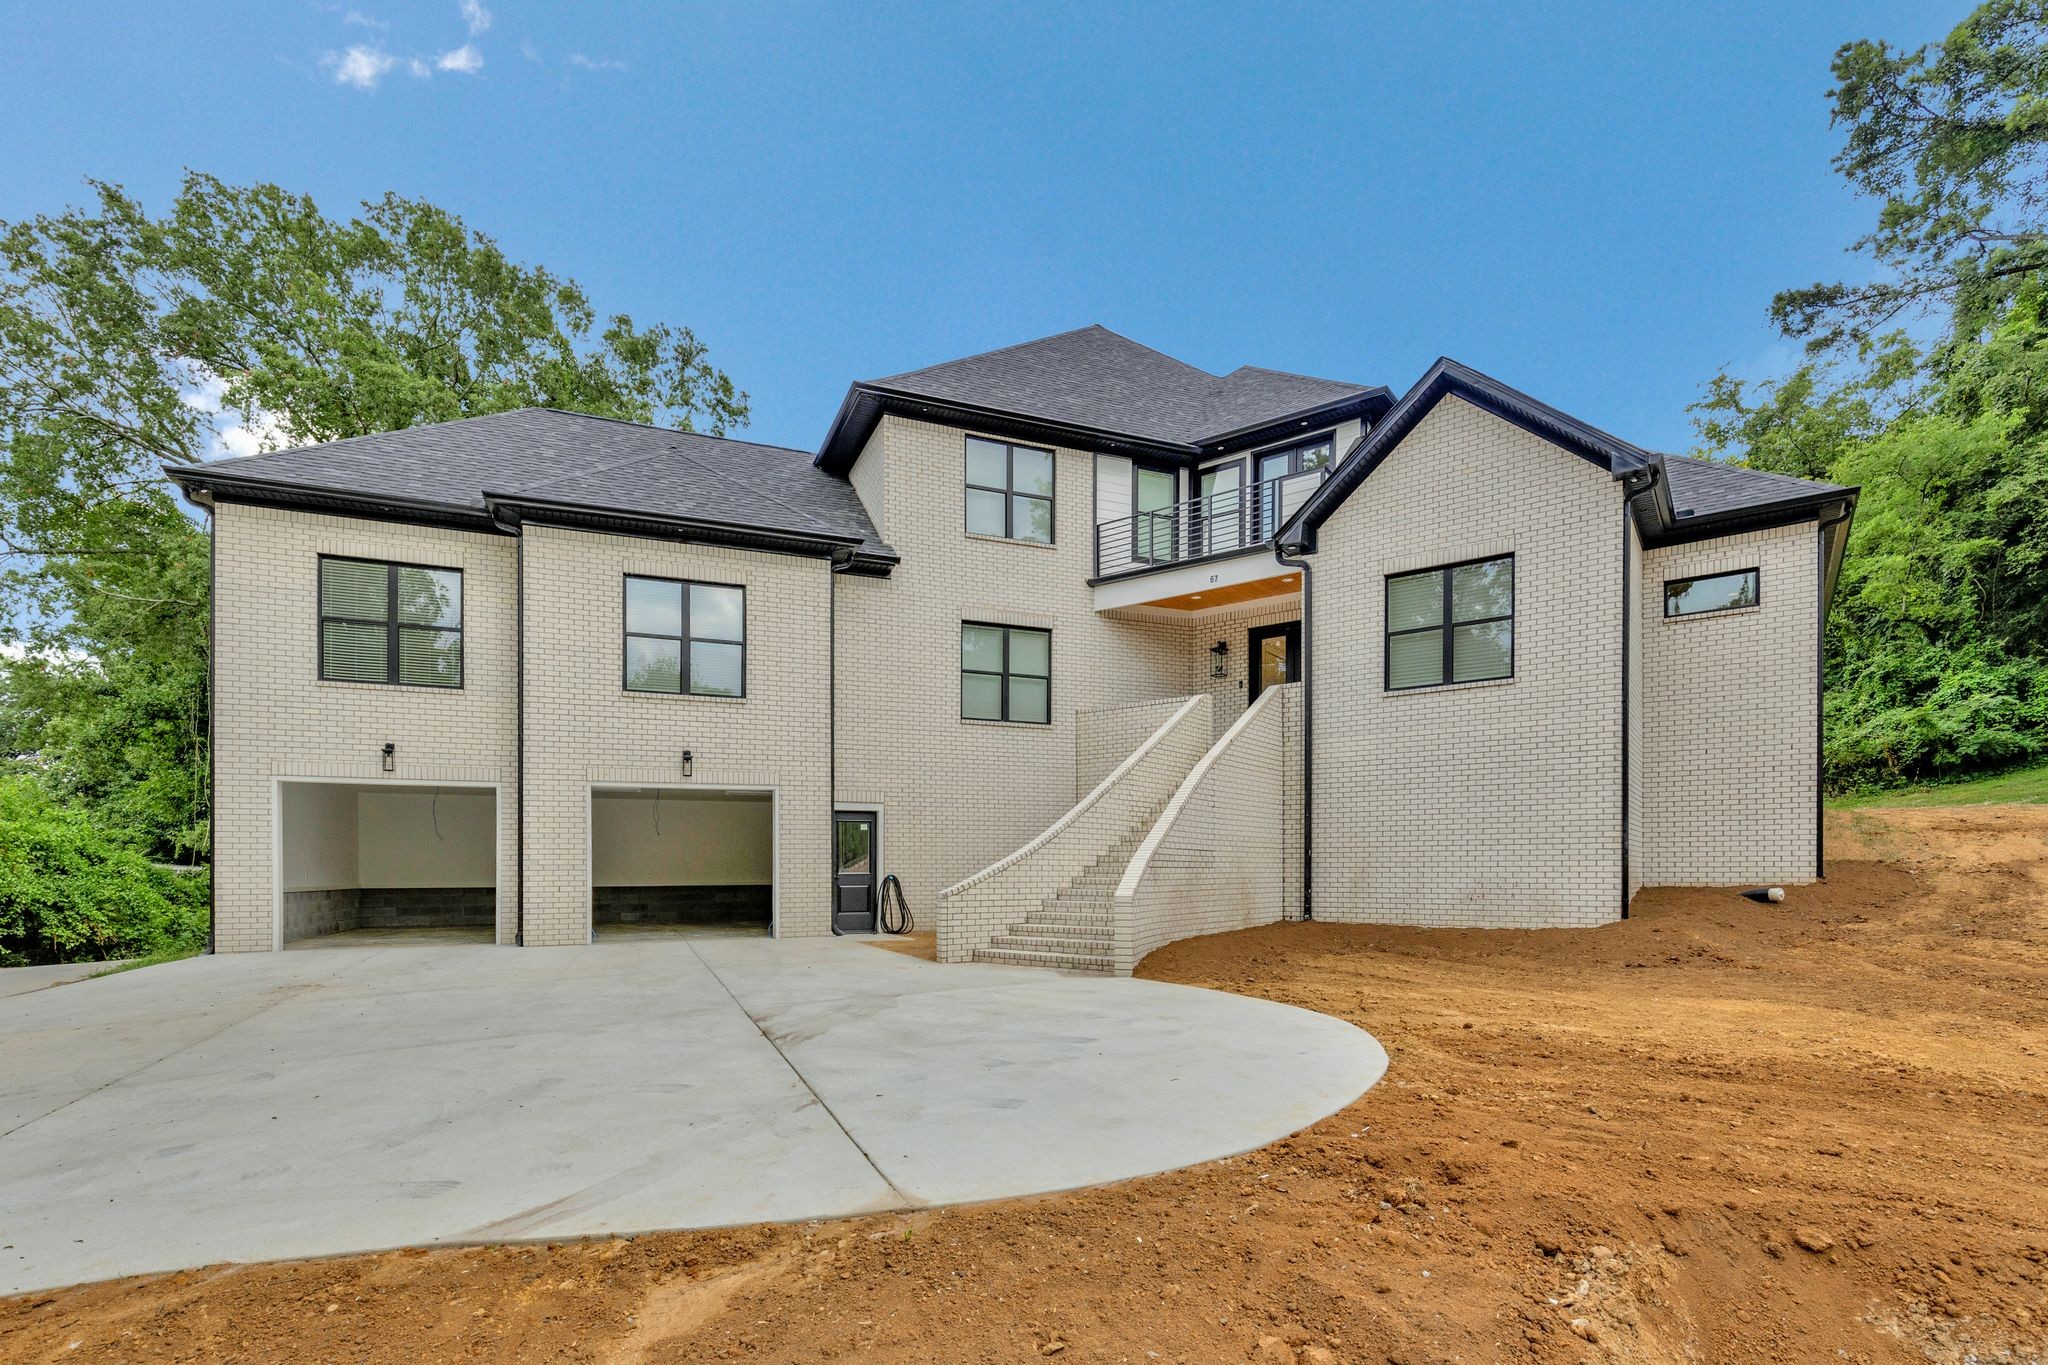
(1451, 625)
(1716, 592)
(1273, 471)
(685, 638)
(1005, 673)
(1009, 491)
(390, 623)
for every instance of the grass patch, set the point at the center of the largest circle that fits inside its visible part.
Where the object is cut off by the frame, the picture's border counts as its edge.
(164, 955)
(2027, 786)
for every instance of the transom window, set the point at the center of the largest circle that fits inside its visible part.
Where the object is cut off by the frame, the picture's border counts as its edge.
(685, 638)
(1715, 592)
(1009, 491)
(1451, 625)
(1005, 673)
(390, 623)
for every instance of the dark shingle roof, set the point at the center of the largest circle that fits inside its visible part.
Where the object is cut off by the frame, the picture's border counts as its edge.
(568, 458)
(1093, 378)
(1705, 488)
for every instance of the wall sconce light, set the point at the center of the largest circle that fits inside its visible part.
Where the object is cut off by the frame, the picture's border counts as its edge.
(391, 758)
(689, 762)
(1218, 652)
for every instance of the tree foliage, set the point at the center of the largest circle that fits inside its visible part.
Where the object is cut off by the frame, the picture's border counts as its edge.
(1938, 658)
(70, 892)
(131, 341)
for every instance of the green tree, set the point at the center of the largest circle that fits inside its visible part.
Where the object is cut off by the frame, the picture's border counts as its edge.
(1938, 658)
(130, 341)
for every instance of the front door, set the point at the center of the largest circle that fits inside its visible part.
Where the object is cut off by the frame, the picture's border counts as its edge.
(1275, 656)
(853, 876)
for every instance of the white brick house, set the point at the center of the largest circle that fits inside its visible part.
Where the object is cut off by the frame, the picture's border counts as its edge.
(1086, 648)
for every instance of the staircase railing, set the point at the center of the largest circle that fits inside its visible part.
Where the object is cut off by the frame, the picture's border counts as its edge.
(974, 911)
(1218, 856)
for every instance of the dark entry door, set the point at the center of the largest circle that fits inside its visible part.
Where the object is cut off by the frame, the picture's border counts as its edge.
(853, 877)
(1275, 656)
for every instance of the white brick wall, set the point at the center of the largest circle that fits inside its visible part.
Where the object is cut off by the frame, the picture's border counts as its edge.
(1122, 804)
(584, 728)
(956, 795)
(1104, 736)
(275, 718)
(1488, 804)
(1217, 858)
(1728, 716)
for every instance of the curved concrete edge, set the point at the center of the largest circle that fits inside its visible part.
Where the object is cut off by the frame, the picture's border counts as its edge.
(798, 1082)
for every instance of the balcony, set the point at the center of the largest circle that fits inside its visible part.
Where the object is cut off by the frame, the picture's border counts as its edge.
(1230, 522)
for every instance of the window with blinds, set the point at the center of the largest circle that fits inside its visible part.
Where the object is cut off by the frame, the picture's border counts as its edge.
(1005, 673)
(390, 623)
(1451, 625)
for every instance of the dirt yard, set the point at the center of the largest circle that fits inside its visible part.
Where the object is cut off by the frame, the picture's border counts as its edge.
(1718, 1132)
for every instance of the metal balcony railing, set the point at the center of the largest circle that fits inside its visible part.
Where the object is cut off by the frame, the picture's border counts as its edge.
(1222, 523)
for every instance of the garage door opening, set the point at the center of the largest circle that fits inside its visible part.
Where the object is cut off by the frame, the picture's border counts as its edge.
(371, 864)
(668, 861)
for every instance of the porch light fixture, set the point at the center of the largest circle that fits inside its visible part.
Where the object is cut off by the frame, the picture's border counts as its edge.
(689, 762)
(391, 758)
(1218, 652)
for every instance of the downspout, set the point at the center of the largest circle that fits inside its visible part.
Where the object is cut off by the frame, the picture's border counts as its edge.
(842, 560)
(1308, 728)
(519, 752)
(213, 726)
(1820, 671)
(1627, 636)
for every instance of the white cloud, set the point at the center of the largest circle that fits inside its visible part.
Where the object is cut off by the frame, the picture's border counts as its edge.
(529, 51)
(235, 433)
(595, 63)
(361, 20)
(418, 68)
(475, 15)
(465, 59)
(361, 67)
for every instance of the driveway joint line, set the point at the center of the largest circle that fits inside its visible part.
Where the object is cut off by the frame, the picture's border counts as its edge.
(909, 1200)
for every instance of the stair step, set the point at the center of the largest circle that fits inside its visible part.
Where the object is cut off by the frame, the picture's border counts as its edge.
(1047, 919)
(1052, 943)
(1100, 931)
(1064, 962)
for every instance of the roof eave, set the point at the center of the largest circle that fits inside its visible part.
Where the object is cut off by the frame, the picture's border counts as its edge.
(1336, 410)
(865, 404)
(518, 509)
(307, 497)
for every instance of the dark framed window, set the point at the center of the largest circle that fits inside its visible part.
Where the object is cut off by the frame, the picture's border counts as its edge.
(1714, 592)
(1009, 491)
(1272, 467)
(1005, 673)
(685, 638)
(382, 622)
(1451, 625)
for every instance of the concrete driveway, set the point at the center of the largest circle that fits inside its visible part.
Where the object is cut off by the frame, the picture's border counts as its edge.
(297, 1104)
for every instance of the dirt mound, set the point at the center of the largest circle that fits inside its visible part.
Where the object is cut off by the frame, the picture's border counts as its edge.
(1720, 1131)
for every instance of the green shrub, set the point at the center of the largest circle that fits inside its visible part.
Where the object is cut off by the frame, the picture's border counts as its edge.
(71, 893)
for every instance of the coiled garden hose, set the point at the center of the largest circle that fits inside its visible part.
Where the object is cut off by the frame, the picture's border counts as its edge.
(896, 917)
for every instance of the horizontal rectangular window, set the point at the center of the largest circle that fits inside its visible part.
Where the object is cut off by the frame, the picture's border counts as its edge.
(1451, 625)
(685, 638)
(390, 623)
(1009, 491)
(1005, 673)
(1716, 592)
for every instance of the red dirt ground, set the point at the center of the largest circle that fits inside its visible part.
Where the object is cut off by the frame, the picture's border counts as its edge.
(1717, 1132)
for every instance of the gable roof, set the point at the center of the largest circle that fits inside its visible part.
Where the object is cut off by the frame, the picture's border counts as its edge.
(1674, 497)
(1105, 389)
(475, 471)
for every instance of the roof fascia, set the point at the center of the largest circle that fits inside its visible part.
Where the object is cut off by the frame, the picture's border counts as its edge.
(1371, 404)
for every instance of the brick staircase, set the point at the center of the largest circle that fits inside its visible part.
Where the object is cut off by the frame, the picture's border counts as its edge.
(1072, 930)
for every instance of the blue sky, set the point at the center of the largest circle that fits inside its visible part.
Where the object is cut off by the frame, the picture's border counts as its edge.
(1591, 202)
